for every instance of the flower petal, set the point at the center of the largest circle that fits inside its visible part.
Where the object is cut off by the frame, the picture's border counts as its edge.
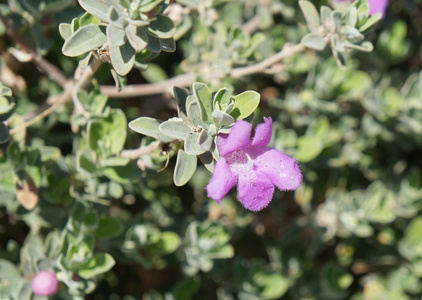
(254, 194)
(377, 6)
(238, 138)
(281, 169)
(263, 132)
(222, 180)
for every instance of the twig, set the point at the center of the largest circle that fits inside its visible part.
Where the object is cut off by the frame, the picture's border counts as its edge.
(65, 96)
(136, 153)
(185, 80)
(52, 71)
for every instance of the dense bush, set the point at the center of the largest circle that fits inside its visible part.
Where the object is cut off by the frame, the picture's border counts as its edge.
(118, 211)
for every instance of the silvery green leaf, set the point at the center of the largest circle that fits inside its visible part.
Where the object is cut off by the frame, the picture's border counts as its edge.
(147, 6)
(168, 45)
(137, 23)
(221, 118)
(204, 96)
(365, 46)
(149, 127)
(314, 41)
(7, 107)
(353, 35)
(363, 12)
(337, 44)
(191, 144)
(311, 14)
(4, 133)
(185, 168)
(194, 112)
(181, 95)
(137, 37)
(205, 140)
(85, 39)
(65, 30)
(74, 25)
(115, 35)
(87, 19)
(163, 27)
(122, 58)
(326, 17)
(175, 128)
(370, 22)
(245, 104)
(154, 44)
(221, 97)
(98, 8)
(208, 161)
(116, 17)
(339, 58)
(337, 19)
(120, 81)
(353, 16)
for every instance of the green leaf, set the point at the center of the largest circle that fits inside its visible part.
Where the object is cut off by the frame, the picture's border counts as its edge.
(311, 15)
(194, 112)
(4, 133)
(168, 45)
(192, 145)
(154, 44)
(245, 104)
(108, 227)
(150, 127)
(122, 58)
(123, 174)
(175, 128)
(185, 168)
(309, 147)
(87, 19)
(181, 96)
(370, 22)
(98, 8)
(204, 96)
(163, 27)
(154, 73)
(86, 161)
(275, 285)
(222, 98)
(115, 36)
(99, 264)
(169, 242)
(137, 37)
(7, 108)
(65, 30)
(85, 39)
(221, 118)
(205, 140)
(314, 41)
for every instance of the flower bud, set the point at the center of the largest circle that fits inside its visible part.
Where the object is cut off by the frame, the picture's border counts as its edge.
(45, 283)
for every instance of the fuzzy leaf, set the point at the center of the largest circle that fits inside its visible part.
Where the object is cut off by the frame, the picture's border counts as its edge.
(85, 39)
(175, 128)
(185, 167)
(99, 264)
(98, 8)
(245, 104)
(203, 94)
(311, 14)
(314, 41)
(163, 27)
(149, 127)
(122, 58)
(137, 37)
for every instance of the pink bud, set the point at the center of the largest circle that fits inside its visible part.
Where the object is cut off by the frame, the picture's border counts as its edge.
(45, 283)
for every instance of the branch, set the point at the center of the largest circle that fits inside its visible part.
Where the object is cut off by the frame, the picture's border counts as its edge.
(185, 80)
(136, 153)
(49, 69)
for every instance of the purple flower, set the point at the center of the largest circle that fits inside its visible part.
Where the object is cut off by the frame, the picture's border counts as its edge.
(255, 168)
(377, 6)
(45, 283)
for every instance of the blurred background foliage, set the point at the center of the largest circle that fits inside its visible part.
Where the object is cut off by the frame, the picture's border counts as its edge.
(112, 227)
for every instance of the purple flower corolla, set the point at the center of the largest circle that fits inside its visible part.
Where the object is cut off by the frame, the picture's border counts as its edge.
(45, 283)
(254, 167)
(375, 6)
